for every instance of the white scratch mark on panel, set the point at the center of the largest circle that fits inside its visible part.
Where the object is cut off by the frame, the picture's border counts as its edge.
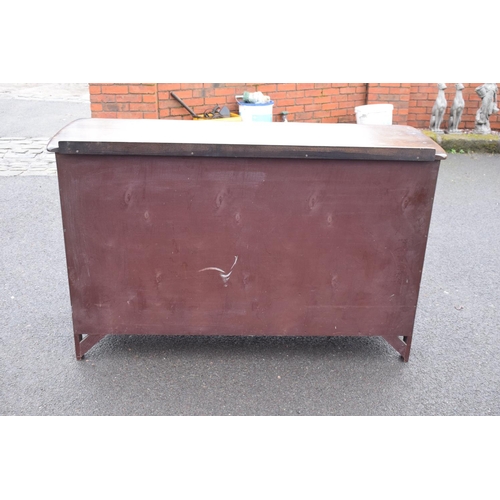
(225, 276)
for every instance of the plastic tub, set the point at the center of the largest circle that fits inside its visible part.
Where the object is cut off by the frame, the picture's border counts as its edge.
(256, 112)
(374, 114)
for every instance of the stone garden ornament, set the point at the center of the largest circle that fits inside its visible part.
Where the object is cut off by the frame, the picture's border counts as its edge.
(488, 94)
(456, 111)
(438, 109)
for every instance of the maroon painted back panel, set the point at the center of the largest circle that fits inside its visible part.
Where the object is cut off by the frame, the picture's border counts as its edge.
(172, 245)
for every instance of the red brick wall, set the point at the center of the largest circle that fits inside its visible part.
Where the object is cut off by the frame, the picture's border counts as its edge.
(124, 100)
(311, 102)
(423, 96)
(397, 94)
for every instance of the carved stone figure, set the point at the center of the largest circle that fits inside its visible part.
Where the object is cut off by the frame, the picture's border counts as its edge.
(488, 94)
(438, 109)
(456, 111)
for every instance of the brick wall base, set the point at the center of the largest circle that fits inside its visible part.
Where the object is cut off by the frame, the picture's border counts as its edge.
(307, 102)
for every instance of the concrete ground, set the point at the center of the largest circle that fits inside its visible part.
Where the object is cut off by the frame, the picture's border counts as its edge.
(453, 367)
(40, 109)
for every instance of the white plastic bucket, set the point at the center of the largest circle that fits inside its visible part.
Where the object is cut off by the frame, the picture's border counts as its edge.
(256, 112)
(374, 114)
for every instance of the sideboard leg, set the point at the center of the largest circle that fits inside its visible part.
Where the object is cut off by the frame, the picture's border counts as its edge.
(82, 345)
(407, 341)
(78, 348)
(402, 346)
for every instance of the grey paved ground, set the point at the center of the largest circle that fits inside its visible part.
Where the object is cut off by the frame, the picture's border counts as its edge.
(54, 92)
(30, 114)
(453, 368)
